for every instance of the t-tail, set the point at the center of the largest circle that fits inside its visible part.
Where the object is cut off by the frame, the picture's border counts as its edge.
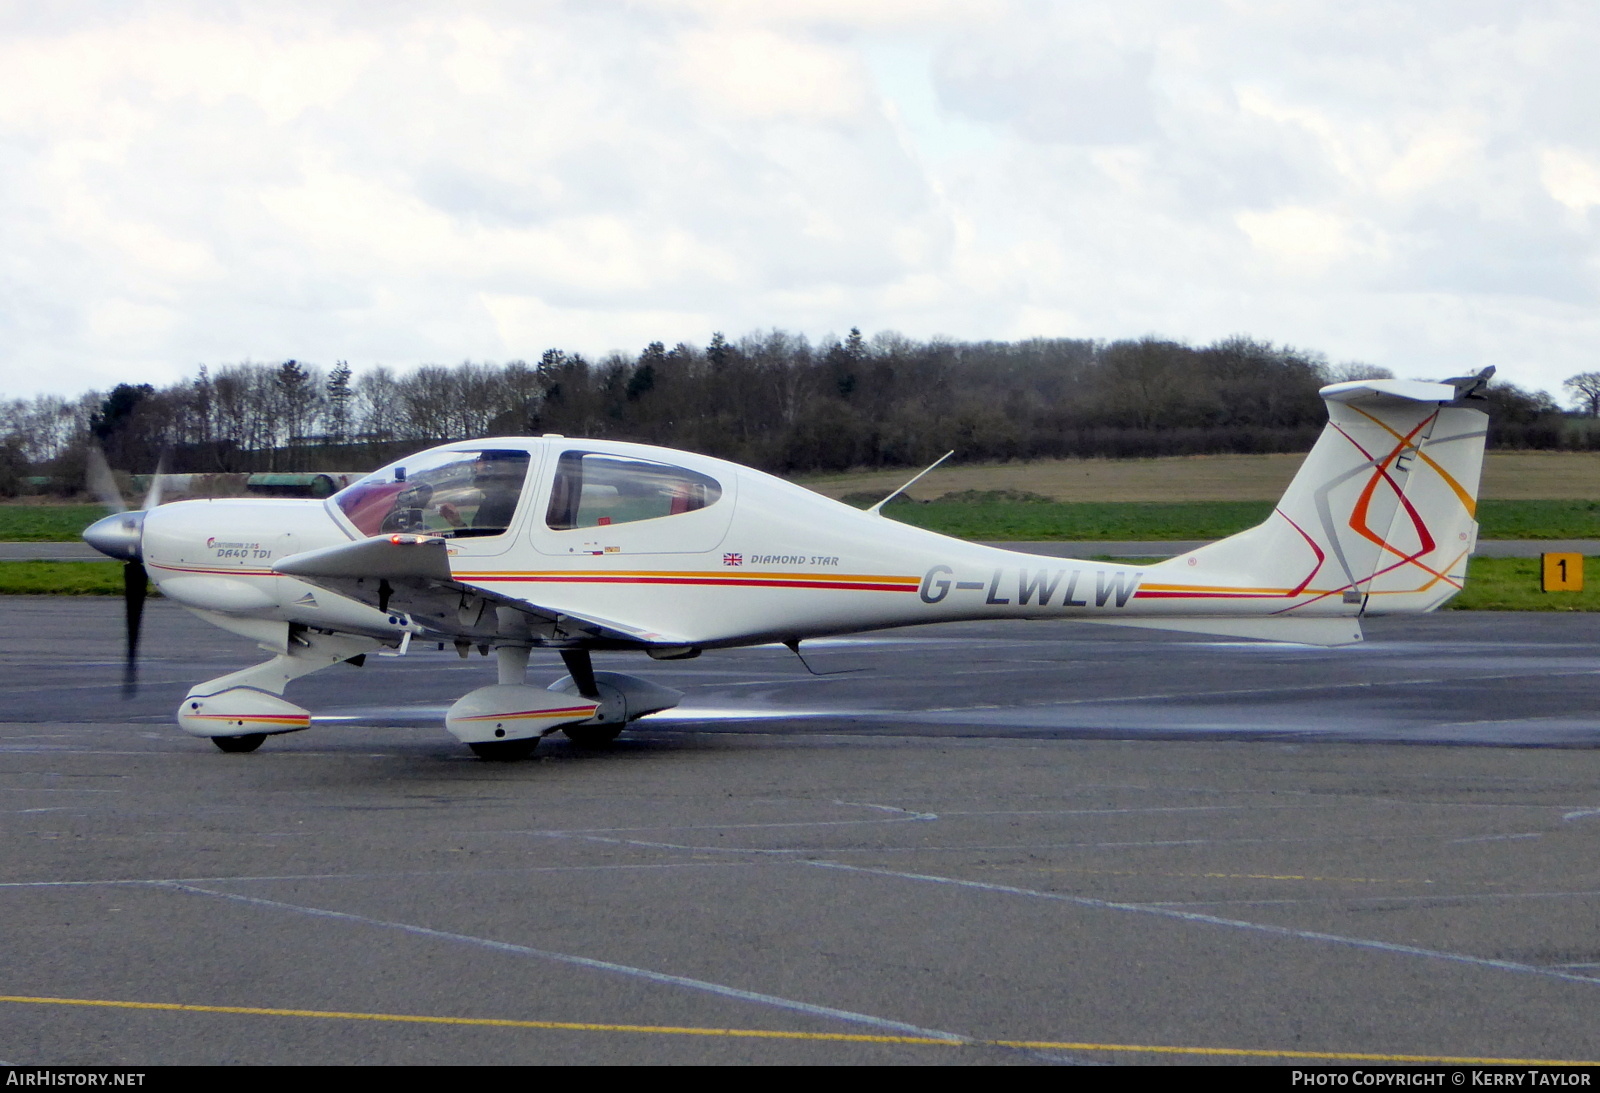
(1380, 519)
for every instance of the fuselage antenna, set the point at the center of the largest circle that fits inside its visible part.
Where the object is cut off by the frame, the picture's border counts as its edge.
(794, 647)
(877, 510)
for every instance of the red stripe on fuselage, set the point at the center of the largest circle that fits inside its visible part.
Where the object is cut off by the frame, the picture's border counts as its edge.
(735, 582)
(214, 572)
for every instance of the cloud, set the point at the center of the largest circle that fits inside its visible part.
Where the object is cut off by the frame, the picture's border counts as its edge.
(1570, 177)
(763, 75)
(1411, 186)
(1308, 241)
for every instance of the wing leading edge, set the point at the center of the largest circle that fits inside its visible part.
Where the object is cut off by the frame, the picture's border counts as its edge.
(410, 575)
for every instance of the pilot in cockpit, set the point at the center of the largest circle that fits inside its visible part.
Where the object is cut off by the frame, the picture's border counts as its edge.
(497, 479)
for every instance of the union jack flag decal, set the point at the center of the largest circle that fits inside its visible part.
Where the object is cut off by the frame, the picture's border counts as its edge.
(733, 559)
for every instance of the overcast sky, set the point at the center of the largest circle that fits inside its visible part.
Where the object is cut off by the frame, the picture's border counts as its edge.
(1411, 185)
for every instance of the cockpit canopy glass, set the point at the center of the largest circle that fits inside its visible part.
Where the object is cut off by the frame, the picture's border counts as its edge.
(594, 490)
(450, 494)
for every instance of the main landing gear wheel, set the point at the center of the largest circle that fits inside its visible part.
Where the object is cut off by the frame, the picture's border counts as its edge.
(248, 742)
(592, 736)
(504, 751)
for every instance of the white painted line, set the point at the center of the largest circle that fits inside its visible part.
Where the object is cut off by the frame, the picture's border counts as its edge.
(1214, 920)
(1431, 897)
(589, 962)
(168, 881)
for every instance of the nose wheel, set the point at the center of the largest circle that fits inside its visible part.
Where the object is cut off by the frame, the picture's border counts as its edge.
(591, 736)
(504, 751)
(248, 742)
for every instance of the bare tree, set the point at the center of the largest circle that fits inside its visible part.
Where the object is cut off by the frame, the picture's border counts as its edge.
(771, 399)
(1352, 371)
(43, 426)
(379, 403)
(1584, 389)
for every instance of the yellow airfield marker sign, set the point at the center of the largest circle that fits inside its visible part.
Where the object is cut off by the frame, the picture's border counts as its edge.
(1561, 572)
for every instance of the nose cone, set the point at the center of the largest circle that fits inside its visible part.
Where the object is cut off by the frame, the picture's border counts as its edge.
(117, 536)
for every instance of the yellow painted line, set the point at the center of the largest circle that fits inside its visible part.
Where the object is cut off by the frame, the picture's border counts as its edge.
(785, 1034)
(1268, 1053)
(491, 1022)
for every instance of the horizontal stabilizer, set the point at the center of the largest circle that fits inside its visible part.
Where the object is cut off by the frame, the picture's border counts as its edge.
(1301, 631)
(1389, 391)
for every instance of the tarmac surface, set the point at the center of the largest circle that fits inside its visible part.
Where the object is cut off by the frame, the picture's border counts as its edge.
(980, 844)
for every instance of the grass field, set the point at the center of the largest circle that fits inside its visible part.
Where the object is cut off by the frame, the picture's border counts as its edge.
(1050, 521)
(45, 523)
(1512, 584)
(1493, 584)
(1525, 495)
(1507, 476)
(60, 578)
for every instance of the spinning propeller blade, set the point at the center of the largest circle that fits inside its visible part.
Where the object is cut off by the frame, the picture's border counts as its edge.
(152, 496)
(135, 585)
(103, 483)
(121, 535)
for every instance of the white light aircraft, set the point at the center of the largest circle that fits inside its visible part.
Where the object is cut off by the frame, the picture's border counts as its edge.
(518, 543)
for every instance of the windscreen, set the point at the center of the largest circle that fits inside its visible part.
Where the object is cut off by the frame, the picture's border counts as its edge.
(450, 494)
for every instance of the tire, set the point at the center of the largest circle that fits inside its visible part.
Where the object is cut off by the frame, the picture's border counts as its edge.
(504, 751)
(248, 742)
(592, 736)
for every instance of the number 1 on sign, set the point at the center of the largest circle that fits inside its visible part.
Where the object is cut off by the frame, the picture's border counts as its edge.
(1561, 572)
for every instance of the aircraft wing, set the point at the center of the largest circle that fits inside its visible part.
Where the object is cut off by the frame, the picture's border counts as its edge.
(411, 574)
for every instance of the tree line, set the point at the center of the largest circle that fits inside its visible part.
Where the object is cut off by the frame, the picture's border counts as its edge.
(773, 400)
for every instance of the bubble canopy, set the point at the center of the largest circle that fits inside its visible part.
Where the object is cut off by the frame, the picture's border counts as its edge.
(452, 494)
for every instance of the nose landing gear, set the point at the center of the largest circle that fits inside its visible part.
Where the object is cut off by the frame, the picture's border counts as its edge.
(504, 751)
(234, 744)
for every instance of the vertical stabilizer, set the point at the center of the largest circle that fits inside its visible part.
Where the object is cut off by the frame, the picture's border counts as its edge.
(1380, 518)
